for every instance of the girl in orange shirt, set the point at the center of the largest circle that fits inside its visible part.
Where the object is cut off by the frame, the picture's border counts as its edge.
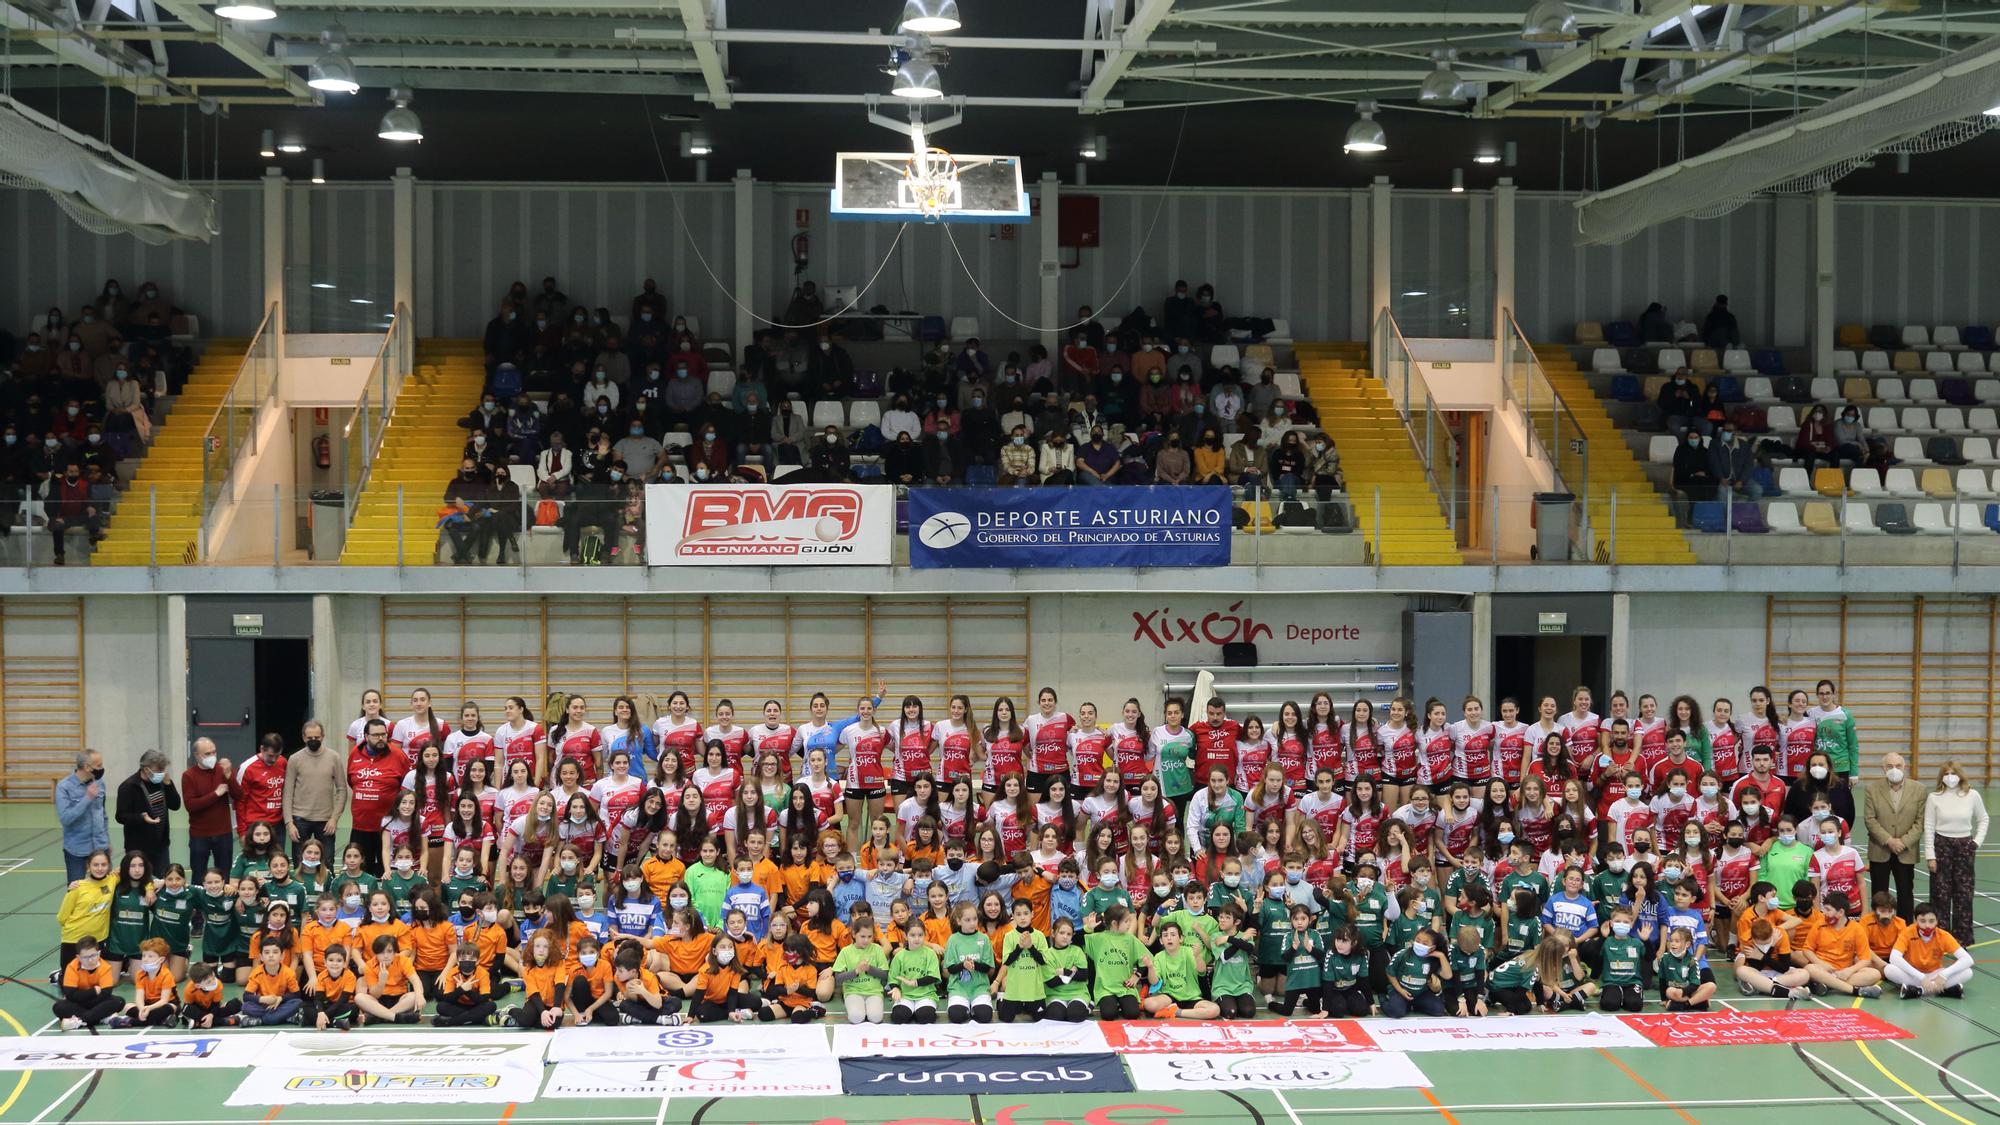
(390, 991)
(771, 951)
(431, 939)
(720, 990)
(790, 992)
(153, 990)
(592, 998)
(825, 933)
(679, 956)
(795, 876)
(381, 922)
(926, 842)
(663, 868)
(559, 922)
(881, 837)
(937, 918)
(542, 986)
(751, 953)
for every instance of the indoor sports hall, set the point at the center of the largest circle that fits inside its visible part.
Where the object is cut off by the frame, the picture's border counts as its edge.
(948, 562)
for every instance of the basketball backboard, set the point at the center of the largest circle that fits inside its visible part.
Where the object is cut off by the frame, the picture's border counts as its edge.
(878, 185)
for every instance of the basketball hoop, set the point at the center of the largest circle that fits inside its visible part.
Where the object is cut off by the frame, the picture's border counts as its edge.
(930, 184)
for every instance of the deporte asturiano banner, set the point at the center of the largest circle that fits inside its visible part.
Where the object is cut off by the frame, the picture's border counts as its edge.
(1168, 525)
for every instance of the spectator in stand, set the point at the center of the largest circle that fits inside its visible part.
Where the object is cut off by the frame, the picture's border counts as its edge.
(683, 396)
(1246, 461)
(1654, 327)
(208, 786)
(1323, 473)
(596, 504)
(150, 304)
(546, 333)
(1815, 441)
(649, 398)
(1879, 457)
(505, 341)
(941, 416)
(805, 308)
(944, 457)
(103, 366)
(551, 302)
(1172, 466)
(979, 431)
(36, 361)
(524, 433)
(555, 470)
(1180, 316)
(1017, 417)
(831, 459)
(613, 361)
(1733, 461)
(749, 384)
(1017, 458)
(1850, 439)
(710, 452)
(80, 811)
(829, 371)
(1079, 365)
(1056, 461)
(1098, 461)
(900, 419)
(1288, 465)
(788, 433)
(1225, 403)
(1119, 396)
(1150, 359)
(1718, 328)
(1676, 403)
(903, 460)
(1263, 398)
(600, 389)
(1211, 459)
(1082, 418)
(752, 439)
(1093, 332)
(1039, 377)
(648, 341)
(1692, 476)
(687, 354)
(66, 499)
(510, 516)
(650, 306)
(94, 331)
(144, 800)
(973, 364)
(1211, 326)
(1710, 411)
(1274, 424)
(641, 454)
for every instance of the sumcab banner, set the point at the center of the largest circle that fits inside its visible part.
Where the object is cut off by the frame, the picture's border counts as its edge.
(770, 525)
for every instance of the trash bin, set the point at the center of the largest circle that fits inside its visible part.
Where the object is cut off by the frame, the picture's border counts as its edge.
(329, 524)
(1552, 525)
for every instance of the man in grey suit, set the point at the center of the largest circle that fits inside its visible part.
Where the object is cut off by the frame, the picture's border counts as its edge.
(1894, 809)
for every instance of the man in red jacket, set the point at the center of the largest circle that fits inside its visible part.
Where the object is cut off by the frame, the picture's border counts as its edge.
(209, 789)
(260, 789)
(374, 779)
(1215, 741)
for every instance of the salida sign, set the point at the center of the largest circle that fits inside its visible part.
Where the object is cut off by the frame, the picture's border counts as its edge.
(768, 525)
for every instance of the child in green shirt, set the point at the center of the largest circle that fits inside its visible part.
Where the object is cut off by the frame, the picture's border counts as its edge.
(1023, 966)
(1520, 922)
(707, 883)
(1177, 970)
(1104, 895)
(217, 909)
(1197, 924)
(1417, 975)
(1301, 951)
(1118, 964)
(406, 880)
(464, 875)
(914, 980)
(1343, 977)
(1230, 887)
(1274, 921)
(1066, 976)
(968, 969)
(1465, 992)
(860, 971)
(1684, 985)
(1622, 988)
(1231, 956)
(1514, 984)
(279, 886)
(173, 918)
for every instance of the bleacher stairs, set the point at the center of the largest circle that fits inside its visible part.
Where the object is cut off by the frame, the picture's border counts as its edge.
(1376, 454)
(1645, 526)
(420, 452)
(171, 470)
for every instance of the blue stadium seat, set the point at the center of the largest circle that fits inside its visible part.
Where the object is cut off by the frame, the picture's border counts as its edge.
(1768, 361)
(982, 476)
(1993, 516)
(1730, 388)
(1763, 475)
(1977, 336)
(1627, 388)
(1621, 334)
(1957, 391)
(1748, 518)
(1708, 516)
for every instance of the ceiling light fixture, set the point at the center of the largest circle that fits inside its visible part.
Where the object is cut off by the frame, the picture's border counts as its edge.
(917, 79)
(695, 144)
(1365, 135)
(246, 10)
(269, 147)
(1458, 181)
(400, 123)
(1549, 21)
(1486, 158)
(291, 148)
(1994, 112)
(929, 16)
(319, 170)
(1093, 148)
(1443, 86)
(332, 71)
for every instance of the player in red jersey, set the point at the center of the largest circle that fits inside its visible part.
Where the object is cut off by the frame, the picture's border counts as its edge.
(1215, 740)
(375, 779)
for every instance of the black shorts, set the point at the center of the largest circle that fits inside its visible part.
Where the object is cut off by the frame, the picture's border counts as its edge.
(1038, 783)
(902, 788)
(862, 794)
(1403, 781)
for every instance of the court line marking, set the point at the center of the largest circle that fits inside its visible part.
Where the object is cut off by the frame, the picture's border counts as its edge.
(65, 1095)
(1433, 1099)
(661, 1117)
(1647, 1103)
(1614, 1060)
(1856, 1083)
(1287, 1107)
(26, 1074)
(1870, 1056)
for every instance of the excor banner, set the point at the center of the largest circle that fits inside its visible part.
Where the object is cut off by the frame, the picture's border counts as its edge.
(712, 1077)
(1070, 527)
(1729, 1029)
(986, 1074)
(1045, 1037)
(1360, 1070)
(677, 1044)
(307, 1069)
(1590, 1030)
(1231, 1037)
(163, 1051)
(769, 525)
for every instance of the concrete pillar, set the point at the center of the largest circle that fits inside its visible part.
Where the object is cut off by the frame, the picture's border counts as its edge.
(274, 252)
(1482, 652)
(326, 693)
(1360, 321)
(1380, 247)
(173, 677)
(745, 280)
(1503, 261)
(1621, 642)
(1825, 266)
(404, 209)
(1051, 264)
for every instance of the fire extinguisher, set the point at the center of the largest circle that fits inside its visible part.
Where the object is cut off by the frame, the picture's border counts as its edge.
(323, 452)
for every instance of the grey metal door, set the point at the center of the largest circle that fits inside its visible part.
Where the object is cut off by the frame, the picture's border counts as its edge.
(222, 694)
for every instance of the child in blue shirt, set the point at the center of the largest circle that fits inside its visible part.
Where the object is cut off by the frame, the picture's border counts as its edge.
(753, 901)
(847, 888)
(1066, 897)
(587, 912)
(885, 884)
(635, 911)
(956, 874)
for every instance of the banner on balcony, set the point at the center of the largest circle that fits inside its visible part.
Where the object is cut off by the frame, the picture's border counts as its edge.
(769, 525)
(1070, 527)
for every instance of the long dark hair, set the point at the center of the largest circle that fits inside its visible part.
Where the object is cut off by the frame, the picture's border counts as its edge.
(1014, 731)
(791, 826)
(436, 778)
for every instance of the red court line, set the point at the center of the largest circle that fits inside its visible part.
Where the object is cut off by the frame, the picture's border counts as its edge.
(1647, 1086)
(1433, 1099)
(508, 1112)
(275, 1111)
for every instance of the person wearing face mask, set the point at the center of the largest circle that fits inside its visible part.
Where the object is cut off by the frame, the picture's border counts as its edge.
(829, 371)
(789, 433)
(80, 811)
(315, 790)
(1955, 822)
(1786, 861)
(639, 451)
(1894, 806)
(830, 457)
(1677, 402)
(208, 786)
(1056, 461)
(144, 800)
(1732, 461)
(66, 499)
(1694, 477)
(125, 402)
(1814, 444)
(1850, 437)
(506, 337)
(972, 363)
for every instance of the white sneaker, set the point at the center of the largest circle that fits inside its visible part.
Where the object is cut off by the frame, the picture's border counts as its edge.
(1800, 994)
(71, 1023)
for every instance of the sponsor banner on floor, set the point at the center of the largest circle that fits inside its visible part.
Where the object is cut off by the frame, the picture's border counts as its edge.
(986, 1074)
(1353, 1070)
(1229, 1037)
(1046, 1037)
(1730, 1029)
(770, 525)
(740, 1077)
(309, 1069)
(672, 1044)
(1171, 525)
(1503, 1035)
(159, 1051)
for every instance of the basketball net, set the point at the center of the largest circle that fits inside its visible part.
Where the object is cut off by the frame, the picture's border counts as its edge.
(930, 184)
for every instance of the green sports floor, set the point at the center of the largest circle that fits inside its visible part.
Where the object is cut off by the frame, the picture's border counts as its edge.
(1950, 1071)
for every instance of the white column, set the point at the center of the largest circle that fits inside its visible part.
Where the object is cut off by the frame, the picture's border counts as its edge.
(1051, 264)
(1825, 266)
(326, 692)
(1621, 641)
(274, 250)
(1482, 651)
(745, 281)
(404, 212)
(1380, 246)
(1503, 259)
(1360, 323)
(173, 675)
(424, 306)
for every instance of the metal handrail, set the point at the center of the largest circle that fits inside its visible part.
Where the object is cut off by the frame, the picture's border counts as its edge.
(1535, 390)
(222, 447)
(1413, 385)
(369, 419)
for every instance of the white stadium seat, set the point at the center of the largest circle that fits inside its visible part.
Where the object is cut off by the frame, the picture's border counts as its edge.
(1843, 362)
(1898, 481)
(964, 328)
(1782, 517)
(829, 412)
(1605, 361)
(1660, 449)
(1972, 483)
(1672, 359)
(1866, 482)
(1757, 388)
(1793, 479)
(1858, 520)
(1910, 451)
(1782, 419)
(1916, 336)
(1929, 519)
(1946, 336)
(1736, 361)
